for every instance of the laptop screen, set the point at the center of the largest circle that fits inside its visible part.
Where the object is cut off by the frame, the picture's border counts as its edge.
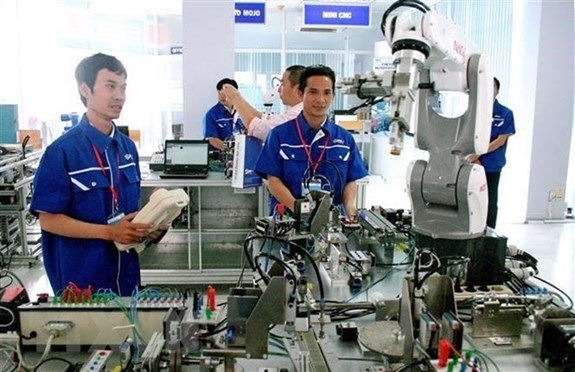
(185, 155)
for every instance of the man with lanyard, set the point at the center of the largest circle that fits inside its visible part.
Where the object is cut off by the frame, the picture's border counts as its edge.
(311, 151)
(502, 127)
(222, 121)
(260, 124)
(87, 190)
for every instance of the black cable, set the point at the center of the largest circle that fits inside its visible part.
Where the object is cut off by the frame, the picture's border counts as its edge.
(215, 330)
(398, 4)
(314, 265)
(366, 103)
(70, 364)
(11, 274)
(285, 266)
(307, 176)
(426, 276)
(258, 237)
(559, 289)
(408, 366)
(350, 261)
(364, 312)
(9, 283)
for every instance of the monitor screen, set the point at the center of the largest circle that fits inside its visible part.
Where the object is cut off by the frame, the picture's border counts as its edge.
(186, 152)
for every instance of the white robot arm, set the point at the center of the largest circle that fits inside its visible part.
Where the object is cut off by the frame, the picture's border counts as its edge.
(449, 196)
(271, 95)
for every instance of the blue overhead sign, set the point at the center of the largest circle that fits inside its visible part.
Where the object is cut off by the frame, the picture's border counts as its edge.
(250, 13)
(337, 15)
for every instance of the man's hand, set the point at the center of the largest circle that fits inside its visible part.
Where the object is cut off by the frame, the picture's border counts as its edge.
(217, 143)
(127, 232)
(160, 231)
(231, 94)
(351, 211)
(473, 158)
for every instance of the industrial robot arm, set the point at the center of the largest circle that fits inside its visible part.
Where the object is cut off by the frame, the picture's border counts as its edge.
(449, 195)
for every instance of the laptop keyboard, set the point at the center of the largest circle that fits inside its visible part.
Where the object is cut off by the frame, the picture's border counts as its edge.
(197, 175)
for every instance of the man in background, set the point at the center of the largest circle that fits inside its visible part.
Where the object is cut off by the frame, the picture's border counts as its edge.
(260, 124)
(222, 121)
(502, 127)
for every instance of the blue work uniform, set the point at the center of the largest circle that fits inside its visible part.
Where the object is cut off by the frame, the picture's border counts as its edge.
(72, 181)
(502, 123)
(332, 149)
(220, 123)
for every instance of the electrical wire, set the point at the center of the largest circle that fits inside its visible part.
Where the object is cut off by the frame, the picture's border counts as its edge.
(300, 249)
(4, 273)
(52, 359)
(422, 7)
(479, 352)
(11, 313)
(22, 363)
(410, 365)
(560, 291)
(8, 351)
(280, 262)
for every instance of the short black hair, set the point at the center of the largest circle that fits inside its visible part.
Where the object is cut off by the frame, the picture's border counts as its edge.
(496, 81)
(221, 83)
(316, 70)
(88, 69)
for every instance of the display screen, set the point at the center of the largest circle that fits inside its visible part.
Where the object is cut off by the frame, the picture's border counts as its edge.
(186, 153)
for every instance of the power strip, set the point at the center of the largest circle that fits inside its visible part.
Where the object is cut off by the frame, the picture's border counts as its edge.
(97, 361)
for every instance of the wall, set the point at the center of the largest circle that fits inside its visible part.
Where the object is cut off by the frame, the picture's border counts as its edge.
(553, 109)
(208, 57)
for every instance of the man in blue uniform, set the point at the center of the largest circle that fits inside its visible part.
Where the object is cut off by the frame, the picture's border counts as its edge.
(493, 161)
(311, 151)
(87, 190)
(222, 121)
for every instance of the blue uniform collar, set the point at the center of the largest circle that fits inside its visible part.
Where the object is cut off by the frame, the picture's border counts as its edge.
(99, 139)
(223, 108)
(327, 126)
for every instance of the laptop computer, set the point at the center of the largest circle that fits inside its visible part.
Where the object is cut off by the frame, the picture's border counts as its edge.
(185, 159)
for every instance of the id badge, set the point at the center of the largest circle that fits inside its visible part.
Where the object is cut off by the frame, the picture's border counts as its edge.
(115, 218)
(311, 186)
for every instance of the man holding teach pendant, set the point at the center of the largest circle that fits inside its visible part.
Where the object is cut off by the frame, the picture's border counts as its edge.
(87, 190)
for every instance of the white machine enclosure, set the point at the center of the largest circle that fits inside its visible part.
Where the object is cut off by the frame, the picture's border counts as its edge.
(448, 194)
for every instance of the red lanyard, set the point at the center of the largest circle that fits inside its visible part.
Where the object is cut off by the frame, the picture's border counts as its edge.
(313, 165)
(113, 189)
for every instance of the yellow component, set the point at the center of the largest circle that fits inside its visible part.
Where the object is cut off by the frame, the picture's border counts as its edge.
(402, 247)
(117, 369)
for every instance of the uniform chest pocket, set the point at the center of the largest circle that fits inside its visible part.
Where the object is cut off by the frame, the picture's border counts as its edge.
(89, 181)
(338, 154)
(293, 153)
(130, 175)
(339, 157)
